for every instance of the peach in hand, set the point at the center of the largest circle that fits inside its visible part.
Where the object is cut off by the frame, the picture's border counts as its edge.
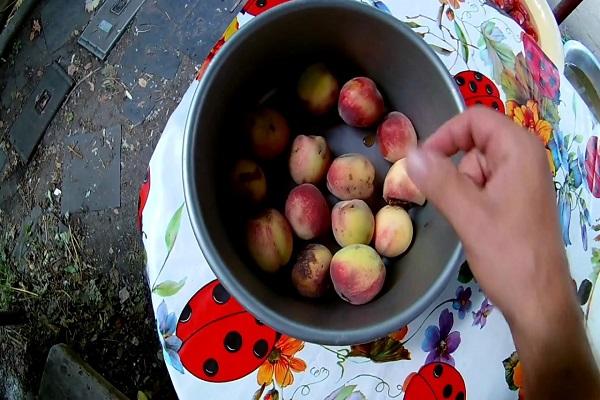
(310, 274)
(310, 159)
(269, 133)
(248, 181)
(351, 176)
(308, 211)
(357, 273)
(398, 188)
(352, 222)
(360, 103)
(318, 89)
(393, 231)
(395, 135)
(269, 239)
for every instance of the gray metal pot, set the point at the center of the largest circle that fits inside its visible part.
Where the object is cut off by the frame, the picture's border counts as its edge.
(269, 53)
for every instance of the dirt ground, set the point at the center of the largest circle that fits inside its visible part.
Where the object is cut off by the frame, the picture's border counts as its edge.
(79, 278)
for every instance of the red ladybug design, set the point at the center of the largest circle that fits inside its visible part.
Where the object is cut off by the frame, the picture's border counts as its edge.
(477, 88)
(435, 381)
(143, 198)
(222, 342)
(257, 7)
(543, 71)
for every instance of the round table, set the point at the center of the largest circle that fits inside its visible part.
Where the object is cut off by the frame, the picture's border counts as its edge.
(461, 343)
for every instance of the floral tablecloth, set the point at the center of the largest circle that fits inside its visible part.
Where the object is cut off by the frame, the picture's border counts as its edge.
(461, 346)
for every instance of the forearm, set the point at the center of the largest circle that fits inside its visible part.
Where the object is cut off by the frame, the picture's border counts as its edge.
(553, 347)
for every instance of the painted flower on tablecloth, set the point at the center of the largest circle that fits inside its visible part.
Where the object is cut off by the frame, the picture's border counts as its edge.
(513, 373)
(167, 322)
(272, 394)
(439, 342)
(389, 348)
(282, 362)
(462, 303)
(528, 116)
(568, 158)
(381, 5)
(480, 317)
(452, 3)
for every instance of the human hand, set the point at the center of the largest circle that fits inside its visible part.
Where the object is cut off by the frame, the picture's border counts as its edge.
(501, 202)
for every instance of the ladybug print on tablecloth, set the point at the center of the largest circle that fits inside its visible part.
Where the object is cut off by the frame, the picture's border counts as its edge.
(257, 7)
(542, 70)
(435, 381)
(477, 88)
(143, 198)
(222, 342)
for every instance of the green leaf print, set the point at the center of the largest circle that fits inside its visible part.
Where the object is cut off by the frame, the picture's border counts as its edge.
(464, 49)
(173, 229)
(168, 288)
(440, 50)
(500, 55)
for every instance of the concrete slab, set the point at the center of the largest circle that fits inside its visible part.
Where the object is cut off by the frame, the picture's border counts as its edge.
(107, 26)
(66, 376)
(59, 24)
(92, 171)
(39, 110)
(152, 49)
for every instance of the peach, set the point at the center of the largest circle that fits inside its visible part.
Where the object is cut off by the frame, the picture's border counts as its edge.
(395, 135)
(308, 211)
(360, 103)
(351, 176)
(352, 222)
(357, 273)
(269, 133)
(248, 181)
(393, 231)
(318, 89)
(269, 239)
(310, 274)
(398, 188)
(310, 159)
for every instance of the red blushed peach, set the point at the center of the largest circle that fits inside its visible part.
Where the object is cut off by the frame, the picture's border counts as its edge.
(360, 103)
(307, 211)
(351, 176)
(310, 274)
(310, 159)
(398, 188)
(269, 239)
(269, 133)
(357, 273)
(393, 231)
(352, 222)
(248, 181)
(318, 89)
(395, 136)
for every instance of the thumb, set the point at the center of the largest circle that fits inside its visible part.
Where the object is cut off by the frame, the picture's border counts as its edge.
(451, 192)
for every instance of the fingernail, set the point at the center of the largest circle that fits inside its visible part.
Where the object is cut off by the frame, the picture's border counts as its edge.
(416, 163)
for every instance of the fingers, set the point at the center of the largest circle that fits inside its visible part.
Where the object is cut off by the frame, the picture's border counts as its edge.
(454, 194)
(473, 165)
(478, 127)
